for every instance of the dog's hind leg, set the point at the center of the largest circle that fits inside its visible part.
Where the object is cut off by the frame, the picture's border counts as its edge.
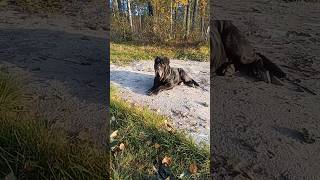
(187, 79)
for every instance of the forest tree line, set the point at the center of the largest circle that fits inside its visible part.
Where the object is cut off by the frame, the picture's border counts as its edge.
(159, 20)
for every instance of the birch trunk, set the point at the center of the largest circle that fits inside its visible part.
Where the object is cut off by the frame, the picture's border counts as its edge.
(130, 14)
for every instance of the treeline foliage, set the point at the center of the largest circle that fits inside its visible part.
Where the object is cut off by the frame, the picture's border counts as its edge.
(159, 20)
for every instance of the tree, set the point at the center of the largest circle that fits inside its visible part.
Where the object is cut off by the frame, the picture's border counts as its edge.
(119, 5)
(187, 17)
(194, 13)
(130, 13)
(115, 5)
(171, 19)
(150, 9)
(162, 19)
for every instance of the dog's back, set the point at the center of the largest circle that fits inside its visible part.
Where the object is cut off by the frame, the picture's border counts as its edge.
(237, 47)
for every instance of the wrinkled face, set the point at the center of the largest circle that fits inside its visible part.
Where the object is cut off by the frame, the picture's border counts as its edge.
(160, 65)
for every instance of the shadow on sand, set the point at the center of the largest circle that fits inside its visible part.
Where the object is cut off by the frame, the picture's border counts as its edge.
(78, 61)
(136, 82)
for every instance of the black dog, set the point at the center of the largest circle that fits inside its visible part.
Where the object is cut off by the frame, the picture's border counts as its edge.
(229, 46)
(167, 77)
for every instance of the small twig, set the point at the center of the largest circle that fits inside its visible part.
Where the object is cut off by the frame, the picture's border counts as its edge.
(203, 88)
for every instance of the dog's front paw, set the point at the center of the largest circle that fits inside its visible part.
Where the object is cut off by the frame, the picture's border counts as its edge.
(150, 93)
(153, 93)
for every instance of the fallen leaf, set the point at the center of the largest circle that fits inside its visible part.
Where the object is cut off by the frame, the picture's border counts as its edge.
(193, 168)
(167, 161)
(169, 128)
(114, 134)
(121, 146)
(157, 146)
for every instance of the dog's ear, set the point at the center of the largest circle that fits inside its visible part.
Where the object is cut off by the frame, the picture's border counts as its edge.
(166, 60)
(157, 59)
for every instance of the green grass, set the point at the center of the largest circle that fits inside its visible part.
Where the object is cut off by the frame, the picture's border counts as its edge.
(123, 53)
(139, 129)
(31, 150)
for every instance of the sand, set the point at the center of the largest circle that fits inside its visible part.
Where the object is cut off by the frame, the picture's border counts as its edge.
(187, 108)
(65, 61)
(257, 128)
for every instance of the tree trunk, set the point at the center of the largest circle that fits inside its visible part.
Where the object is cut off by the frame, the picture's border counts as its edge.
(140, 22)
(171, 20)
(150, 9)
(194, 13)
(175, 14)
(175, 19)
(119, 3)
(187, 14)
(130, 14)
(202, 28)
(115, 5)
(186, 9)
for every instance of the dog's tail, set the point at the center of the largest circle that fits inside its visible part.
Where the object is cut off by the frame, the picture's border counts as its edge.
(195, 83)
(277, 72)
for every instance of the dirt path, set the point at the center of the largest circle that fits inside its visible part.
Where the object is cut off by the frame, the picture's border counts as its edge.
(257, 129)
(189, 108)
(66, 62)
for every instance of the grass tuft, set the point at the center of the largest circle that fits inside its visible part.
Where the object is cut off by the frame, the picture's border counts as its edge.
(140, 129)
(10, 93)
(29, 149)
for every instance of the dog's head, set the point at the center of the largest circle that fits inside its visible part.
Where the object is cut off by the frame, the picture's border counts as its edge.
(161, 66)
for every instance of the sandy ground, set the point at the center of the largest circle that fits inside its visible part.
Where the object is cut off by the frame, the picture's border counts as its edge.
(65, 61)
(188, 108)
(256, 128)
